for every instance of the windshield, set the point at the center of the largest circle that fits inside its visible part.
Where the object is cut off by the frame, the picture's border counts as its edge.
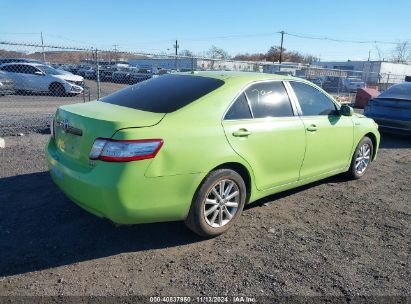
(49, 70)
(398, 91)
(164, 94)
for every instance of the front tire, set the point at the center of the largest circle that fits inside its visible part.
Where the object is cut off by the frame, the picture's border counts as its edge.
(361, 159)
(217, 204)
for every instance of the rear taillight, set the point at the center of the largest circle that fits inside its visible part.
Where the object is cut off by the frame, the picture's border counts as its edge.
(53, 128)
(112, 150)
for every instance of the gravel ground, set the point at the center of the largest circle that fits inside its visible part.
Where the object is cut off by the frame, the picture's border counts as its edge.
(334, 238)
(33, 113)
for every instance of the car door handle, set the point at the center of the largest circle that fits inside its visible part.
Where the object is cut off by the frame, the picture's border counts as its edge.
(312, 128)
(241, 133)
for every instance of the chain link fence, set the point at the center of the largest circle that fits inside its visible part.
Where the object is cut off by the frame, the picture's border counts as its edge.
(36, 79)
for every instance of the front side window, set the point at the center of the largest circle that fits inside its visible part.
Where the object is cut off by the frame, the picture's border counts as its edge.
(31, 70)
(239, 109)
(312, 101)
(269, 99)
(49, 70)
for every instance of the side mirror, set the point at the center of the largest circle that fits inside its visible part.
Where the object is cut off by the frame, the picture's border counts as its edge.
(346, 110)
(38, 73)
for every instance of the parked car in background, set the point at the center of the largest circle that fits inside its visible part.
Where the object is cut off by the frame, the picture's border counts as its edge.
(60, 68)
(332, 84)
(77, 69)
(87, 72)
(392, 109)
(106, 72)
(199, 146)
(140, 75)
(6, 85)
(122, 75)
(27, 60)
(352, 84)
(36, 77)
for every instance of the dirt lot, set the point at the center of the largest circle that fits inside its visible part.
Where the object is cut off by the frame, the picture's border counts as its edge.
(335, 237)
(32, 112)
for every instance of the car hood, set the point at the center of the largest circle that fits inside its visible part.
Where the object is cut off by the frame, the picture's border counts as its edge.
(70, 77)
(359, 115)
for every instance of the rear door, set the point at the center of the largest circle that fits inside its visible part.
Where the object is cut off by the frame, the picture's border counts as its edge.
(329, 135)
(17, 73)
(263, 128)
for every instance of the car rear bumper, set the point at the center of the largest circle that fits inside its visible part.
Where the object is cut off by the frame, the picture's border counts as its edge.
(121, 193)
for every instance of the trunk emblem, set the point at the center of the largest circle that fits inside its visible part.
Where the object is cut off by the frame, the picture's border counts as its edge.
(65, 127)
(65, 124)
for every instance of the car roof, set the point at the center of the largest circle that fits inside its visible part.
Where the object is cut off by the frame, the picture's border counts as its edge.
(23, 63)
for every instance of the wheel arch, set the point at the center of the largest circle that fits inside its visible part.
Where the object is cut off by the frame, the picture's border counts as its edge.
(243, 171)
(374, 140)
(54, 82)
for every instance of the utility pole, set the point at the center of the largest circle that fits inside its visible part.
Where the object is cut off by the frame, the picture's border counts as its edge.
(176, 46)
(42, 46)
(369, 55)
(281, 47)
(97, 76)
(115, 51)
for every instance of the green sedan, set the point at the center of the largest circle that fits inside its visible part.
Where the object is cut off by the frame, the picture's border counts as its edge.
(199, 146)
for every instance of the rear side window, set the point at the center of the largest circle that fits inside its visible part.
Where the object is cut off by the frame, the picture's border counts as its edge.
(269, 99)
(312, 101)
(398, 91)
(164, 94)
(10, 68)
(239, 109)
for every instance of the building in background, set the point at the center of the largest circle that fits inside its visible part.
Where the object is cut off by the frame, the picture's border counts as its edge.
(188, 64)
(373, 72)
(182, 64)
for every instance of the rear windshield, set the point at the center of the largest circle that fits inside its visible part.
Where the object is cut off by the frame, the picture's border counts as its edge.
(398, 91)
(164, 94)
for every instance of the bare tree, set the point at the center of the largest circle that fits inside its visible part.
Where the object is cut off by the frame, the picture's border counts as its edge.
(379, 52)
(186, 53)
(402, 52)
(217, 53)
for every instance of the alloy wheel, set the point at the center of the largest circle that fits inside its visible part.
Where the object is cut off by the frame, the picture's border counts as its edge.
(362, 159)
(221, 203)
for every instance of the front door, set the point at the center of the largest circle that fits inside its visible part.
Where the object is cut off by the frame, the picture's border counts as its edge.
(329, 136)
(262, 128)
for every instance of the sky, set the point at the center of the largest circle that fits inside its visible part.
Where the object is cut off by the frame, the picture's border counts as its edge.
(236, 26)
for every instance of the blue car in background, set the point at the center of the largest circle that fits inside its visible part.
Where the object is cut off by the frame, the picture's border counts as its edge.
(391, 110)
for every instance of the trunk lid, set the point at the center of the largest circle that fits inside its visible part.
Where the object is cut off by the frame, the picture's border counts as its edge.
(78, 125)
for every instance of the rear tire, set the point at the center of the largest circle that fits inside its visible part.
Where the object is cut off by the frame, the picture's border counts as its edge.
(217, 204)
(57, 89)
(361, 158)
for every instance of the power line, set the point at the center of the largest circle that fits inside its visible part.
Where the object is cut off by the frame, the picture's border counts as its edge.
(341, 40)
(14, 33)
